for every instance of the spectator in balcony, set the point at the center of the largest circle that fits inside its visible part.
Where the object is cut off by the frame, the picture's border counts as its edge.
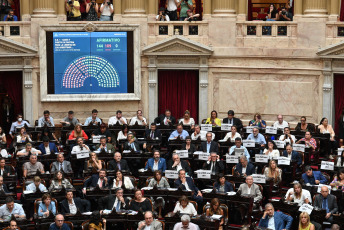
(73, 9)
(162, 16)
(191, 16)
(272, 13)
(285, 14)
(185, 5)
(10, 16)
(172, 6)
(92, 11)
(106, 10)
(83, 4)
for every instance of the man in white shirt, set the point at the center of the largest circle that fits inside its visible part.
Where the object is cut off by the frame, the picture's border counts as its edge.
(172, 6)
(139, 119)
(118, 118)
(287, 137)
(80, 146)
(280, 123)
(28, 149)
(185, 224)
(200, 133)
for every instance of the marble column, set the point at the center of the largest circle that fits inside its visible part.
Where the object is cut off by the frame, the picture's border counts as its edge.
(25, 10)
(224, 7)
(61, 10)
(134, 7)
(153, 89)
(298, 8)
(334, 10)
(207, 8)
(316, 8)
(203, 89)
(328, 94)
(153, 7)
(43, 9)
(27, 94)
(242, 10)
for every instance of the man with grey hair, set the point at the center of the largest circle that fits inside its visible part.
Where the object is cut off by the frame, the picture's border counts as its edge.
(198, 133)
(177, 164)
(59, 223)
(149, 223)
(327, 202)
(244, 168)
(280, 123)
(185, 224)
(275, 220)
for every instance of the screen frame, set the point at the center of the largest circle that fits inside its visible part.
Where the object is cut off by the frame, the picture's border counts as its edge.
(134, 86)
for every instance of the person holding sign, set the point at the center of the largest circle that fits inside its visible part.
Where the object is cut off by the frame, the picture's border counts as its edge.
(257, 121)
(275, 220)
(177, 164)
(313, 177)
(233, 120)
(305, 222)
(244, 168)
(223, 186)
(209, 146)
(233, 135)
(103, 131)
(79, 149)
(78, 132)
(186, 183)
(182, 134)
(216, 122)
(326, 201)
(298, 195)
(293, 155)
(338, 181)
(309, 141)
(273, 172)
(156, 163)
(287, 137)
(280, 123)
(239, 146)
(272, 150)
(214, 164)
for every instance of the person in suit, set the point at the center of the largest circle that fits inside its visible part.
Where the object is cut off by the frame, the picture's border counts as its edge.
(118, 163)
(103, 146)
(249, 188)
(278, 220)
(149, 222)
(233, 120)
(165, 119)
(153, 132)
(97, 180)
(214, 164)
(71, 205)
(156, 163)
(3, 187)
(293, 155)
(313, 177)
(191, 148)
(112, 202)
(61, 165)
(209, 146)
(186, 183)
(244, 168)
(5, 170)
(131, 144)
(223, 186)
(328, 202)
(46, 147)
(177, 164)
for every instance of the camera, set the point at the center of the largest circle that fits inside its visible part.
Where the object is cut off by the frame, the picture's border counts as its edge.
(93, 3)
(284, 12)
(71, 14)
(70, 2)
(10, 18)
(109, 3)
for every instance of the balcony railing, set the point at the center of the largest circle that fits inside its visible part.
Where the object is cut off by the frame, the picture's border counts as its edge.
(15, 30)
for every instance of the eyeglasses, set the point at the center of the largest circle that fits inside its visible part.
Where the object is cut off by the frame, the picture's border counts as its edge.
(59, 220)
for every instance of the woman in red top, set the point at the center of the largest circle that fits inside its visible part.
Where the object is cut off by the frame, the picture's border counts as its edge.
(78, 132)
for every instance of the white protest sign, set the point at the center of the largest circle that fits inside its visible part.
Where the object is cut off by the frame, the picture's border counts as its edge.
(306, 208)
(327, 165)
(279, 144)
(207, 127)
(204, 174)
(81, 151)
(96, 139)
(231, 159)
(283, 161)
(249, 143)
(171, 174)
(259, 178)
(299, 147)
(203, 156)
(270, 130)
(182, 153)
(82, 155)
(340, 150)
(226, 127)
(249, 129)
(239, 152)
(261, 158)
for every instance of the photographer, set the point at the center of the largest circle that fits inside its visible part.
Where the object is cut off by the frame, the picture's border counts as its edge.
(10, 16)
(162, 16)
(92, 11)
(285, 14)
(73, 9)
(191, 16)
(185, 5)
(172, 6)
(107, 10)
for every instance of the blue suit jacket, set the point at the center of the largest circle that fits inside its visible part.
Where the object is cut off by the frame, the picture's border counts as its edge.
(317, 176)
(192, 186)
(93, 182)
(52, 148)
(249, 169)
(228, 186)
(161, 164)
(280, 219)
(295, 156)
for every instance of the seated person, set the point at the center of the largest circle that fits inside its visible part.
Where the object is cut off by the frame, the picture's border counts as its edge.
(46, 120)
(177, 164)
(93, 164)
(244, 168)
(103, 131)
(191, 148)
(257, 121)
(216, 122)
(158, 180)
(186, 183)
(162, 16)
(313, 177)
(272, 150)
(61, 165)
(304, 126)
(36, 185)
(59, 220)
(273, 172)
(78, 132)
(309, 141)
(340, 160)
(198, 133)
(94, 119)
(122, 181)
(3, 187)
(5, 170)
(184, 206)
(96, 223)
(280, 123)
(165, 119)
(287, 137)
(233, 121)
(103, 146)
(118, 118)
(59, 182)
(47, 148)
(250, 189)
(278, 219)
(232, 135)
(13, 225)
(214, 164)
(10, 208)
(95, 180)
(285, 14)
(182, 134)
(140, 203)
(328, 202)
(209, 146)
(257, 137)
(131, 144)
(292, 155)
(79, 146)
(156, 163)
(50, 135)
(23, 137)
(298, 195)
(191, 16)
(223, 186)
(118, 163)
(187, 120)
(139, 119)
(326, 128)
(149, 222)
(185, 224)
(69, 120)
(238, 145)
(71, 205)
(46, 206)
(338, 180)
(31, 167)
(111, 202)
(305, 222)
(215, 209)
(28, 151)
(153, 132)
(123, 134)
(18, 124)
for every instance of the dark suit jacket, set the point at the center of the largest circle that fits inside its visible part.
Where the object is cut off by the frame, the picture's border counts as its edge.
(228, 186)
(192, 186)
(7, 169)
(218, 166)
(295, 156)
(52, 148)
(192, 148)
(4, 187)
(82, 205)
(113, 165)
(127, 146)
(236, 122)
(249, 169)
(331, 202)
(157, 134)
(161, 117)
(93, 182)
(214, 147)
(107, 202)
(184, 164)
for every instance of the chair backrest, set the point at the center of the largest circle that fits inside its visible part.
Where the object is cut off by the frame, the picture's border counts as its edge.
(8, 228)
(148, 180)
(133, 180)
(84, 225)
(70, 225)
(162, 224)
(194, 204)
(233, 170)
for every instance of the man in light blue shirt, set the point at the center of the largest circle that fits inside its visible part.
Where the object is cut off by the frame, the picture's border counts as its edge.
(10, 208)
(36, 185)
(18, 124)
(257, 137)
(239, 146)
(179, 133)
(94, 120)
(46, 120)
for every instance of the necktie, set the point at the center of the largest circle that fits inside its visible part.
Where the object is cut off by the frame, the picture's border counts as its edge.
(119, 166)
(118, 206)
(133, 147)
(324, 204)
(61, 167)
(152, 135)
(101, 183)
(213, 169)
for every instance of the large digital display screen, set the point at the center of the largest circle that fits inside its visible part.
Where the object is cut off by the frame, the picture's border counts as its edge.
(90, 62)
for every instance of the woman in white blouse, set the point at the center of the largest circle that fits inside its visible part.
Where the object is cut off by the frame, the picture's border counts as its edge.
(187, 120)
(185, 207)
(232, 134)
(2, 136)
(298, 195)
(272, 150)
(123, 134)
(325, 128)
(23, 136)
(122, 181)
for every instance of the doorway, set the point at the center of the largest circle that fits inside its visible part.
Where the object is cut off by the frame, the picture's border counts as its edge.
(178, 92)
(338, 99)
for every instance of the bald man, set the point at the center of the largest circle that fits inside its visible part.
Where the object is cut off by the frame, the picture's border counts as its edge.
(328, 202)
